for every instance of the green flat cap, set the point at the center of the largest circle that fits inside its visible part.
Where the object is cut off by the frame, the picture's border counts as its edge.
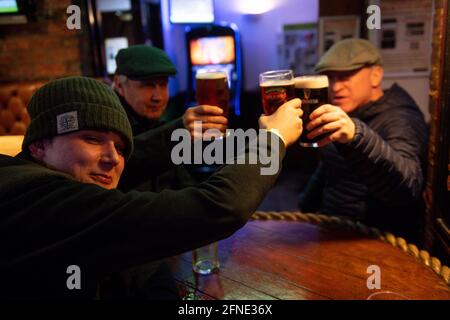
(347, 55)
(142, 62)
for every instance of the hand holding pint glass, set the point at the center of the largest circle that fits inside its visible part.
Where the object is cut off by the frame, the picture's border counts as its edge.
(286, 120)
(277, 87)
(212, 89)
(323, 122)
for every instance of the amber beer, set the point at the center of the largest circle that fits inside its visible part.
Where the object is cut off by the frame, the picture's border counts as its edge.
(212, 89)
(313, 91)
(277, 87)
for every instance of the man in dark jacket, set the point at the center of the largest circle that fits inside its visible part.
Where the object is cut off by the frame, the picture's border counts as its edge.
(64, 228)
(141, 83)
(374, 150)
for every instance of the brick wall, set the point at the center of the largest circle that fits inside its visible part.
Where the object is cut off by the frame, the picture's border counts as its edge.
(42, 49)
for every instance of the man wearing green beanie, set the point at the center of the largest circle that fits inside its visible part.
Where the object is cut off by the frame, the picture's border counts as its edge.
(374, 145)
(65, 228)
(70, 111)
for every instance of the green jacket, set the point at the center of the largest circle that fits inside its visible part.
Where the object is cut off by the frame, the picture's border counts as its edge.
(176, 177)
(50, 222)
(152, 280)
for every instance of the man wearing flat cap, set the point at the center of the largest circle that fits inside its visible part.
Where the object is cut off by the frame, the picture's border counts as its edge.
(141, 83)
(372, 157)
(141, 80)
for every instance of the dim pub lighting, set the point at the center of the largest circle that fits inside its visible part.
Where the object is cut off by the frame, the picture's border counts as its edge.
(255, 6)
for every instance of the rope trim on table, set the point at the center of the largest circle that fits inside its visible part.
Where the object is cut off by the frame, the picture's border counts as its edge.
(330, 221)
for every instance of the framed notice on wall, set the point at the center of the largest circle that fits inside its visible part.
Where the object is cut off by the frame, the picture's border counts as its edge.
(112, 47)
(298, 49)
(333, 29)
(405, 36)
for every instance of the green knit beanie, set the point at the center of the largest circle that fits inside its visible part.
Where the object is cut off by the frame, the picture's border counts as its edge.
(76, 103)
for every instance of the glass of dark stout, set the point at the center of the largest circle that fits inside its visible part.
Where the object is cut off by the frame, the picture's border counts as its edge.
(313, 91)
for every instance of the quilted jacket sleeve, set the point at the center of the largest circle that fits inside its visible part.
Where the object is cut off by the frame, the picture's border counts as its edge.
(389, 162)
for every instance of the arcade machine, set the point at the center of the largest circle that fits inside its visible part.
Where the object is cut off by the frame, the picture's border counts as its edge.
(217, 47)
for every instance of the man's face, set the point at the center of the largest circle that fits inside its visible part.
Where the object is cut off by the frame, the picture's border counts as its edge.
(351, 89)
(148, 98)
(90, 156)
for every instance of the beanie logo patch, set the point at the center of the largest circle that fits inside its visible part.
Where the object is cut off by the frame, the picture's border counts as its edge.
(67, 122)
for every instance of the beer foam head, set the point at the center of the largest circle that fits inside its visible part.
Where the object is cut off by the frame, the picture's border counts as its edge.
(210, 75)
(311, 82)
(274, 83)
(276, 78)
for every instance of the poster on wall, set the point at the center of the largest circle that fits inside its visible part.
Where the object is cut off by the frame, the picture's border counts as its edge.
(112, 47)
(298, 48)
(336, 28)
(404, 37)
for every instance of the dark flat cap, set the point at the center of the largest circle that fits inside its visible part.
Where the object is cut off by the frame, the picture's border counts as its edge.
(141, 62)
(347, 55)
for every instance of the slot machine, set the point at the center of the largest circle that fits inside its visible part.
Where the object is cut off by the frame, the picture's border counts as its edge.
(215, 47)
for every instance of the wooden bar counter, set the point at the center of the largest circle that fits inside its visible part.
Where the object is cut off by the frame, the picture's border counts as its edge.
(295, 256)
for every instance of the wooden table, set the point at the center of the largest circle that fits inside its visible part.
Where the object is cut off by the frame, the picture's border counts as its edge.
(299, 260)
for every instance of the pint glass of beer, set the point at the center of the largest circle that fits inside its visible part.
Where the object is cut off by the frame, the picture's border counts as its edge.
(277, 87)
(212, 89)
(313, 91)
